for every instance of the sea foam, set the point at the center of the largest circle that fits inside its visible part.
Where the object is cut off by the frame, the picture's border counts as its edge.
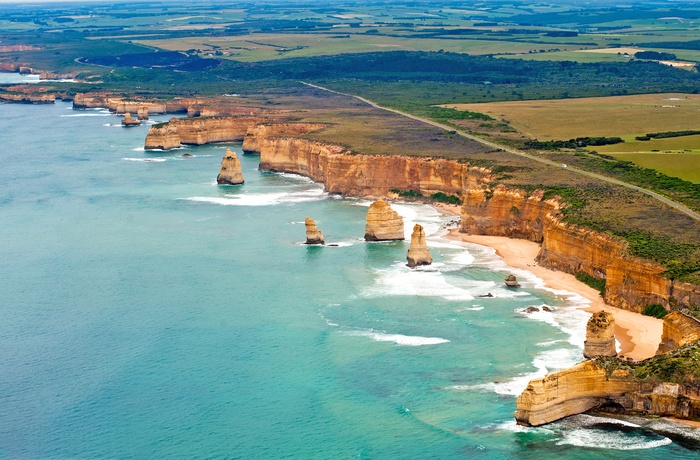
(404, 340)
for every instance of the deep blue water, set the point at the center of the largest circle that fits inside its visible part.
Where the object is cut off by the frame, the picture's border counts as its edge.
(149, 313)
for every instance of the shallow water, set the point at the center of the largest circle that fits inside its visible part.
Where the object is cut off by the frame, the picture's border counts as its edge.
(150, 313)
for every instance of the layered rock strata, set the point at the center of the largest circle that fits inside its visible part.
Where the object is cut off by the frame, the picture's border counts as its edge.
(588, 385)
(231, 172)
(678, 330)
(418, 252)
(27, 98)
(313, 234)
(600, 335)
(254, 137)
(119, 104)
(631, 283)
(199, 131)
(346, 173)
(142, 113)
(383, 223)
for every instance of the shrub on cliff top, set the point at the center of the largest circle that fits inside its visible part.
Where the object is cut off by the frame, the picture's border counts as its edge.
(655, 310)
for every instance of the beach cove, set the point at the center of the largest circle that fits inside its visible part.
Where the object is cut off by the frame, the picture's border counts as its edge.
(153, 313)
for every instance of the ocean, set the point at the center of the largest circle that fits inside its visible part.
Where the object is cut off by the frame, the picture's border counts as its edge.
(149, 313)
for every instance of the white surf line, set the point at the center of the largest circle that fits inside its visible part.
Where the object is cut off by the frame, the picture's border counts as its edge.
(685, 210)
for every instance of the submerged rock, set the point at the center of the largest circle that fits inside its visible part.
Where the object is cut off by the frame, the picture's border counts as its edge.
(383, 223)
(418, 253)
(313, 234)
(230, 173)
(532, 309)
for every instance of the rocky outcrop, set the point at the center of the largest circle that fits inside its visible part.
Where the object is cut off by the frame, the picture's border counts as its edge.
(313, 234)
(231, 172)
(128, 121)
(418, 252)
(254, 137)
(631, 283)
(118, 104)
(346, 173)
(679, 330)
(600, 335)
(589, 386)
(142, 113)
(27, 98)
(383, 223)
(199, 131)
(512, 281)
(571, 391)
(163, 136)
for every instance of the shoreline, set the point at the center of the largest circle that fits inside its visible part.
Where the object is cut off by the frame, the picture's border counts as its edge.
(639, 335)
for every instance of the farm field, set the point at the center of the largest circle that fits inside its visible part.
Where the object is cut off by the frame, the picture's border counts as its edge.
(622, 116)
(262, 47)
(683, 165)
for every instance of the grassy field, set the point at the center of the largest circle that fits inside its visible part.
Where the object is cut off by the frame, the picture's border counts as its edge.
(262, 47)
(622, 116)
(683, 165)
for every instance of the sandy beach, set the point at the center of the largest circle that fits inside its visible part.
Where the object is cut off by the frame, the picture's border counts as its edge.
(639, 335)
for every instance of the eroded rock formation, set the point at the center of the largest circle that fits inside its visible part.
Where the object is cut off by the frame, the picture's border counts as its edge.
(27, 98)
(313, 234)
(128, 121)
(142, 113)
(231, 172)
(199, 131)
(383, 223)
(418, 252)
(600, 335)
(679, 330)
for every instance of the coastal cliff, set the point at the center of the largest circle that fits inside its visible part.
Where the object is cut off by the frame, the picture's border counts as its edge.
(254, 137)
(346, 173)
(679, 330)
(27, 98)
(631, 283)
(120, 105)
(198, 131)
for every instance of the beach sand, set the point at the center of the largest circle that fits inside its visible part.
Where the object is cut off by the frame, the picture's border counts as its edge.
(639, 335)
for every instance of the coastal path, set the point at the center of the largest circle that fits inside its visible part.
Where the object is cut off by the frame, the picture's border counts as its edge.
(663, 199)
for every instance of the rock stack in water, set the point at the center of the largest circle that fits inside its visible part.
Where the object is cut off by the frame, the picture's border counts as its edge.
(418, 253)
(230, 173)
(128, 121)
(142, 113)
(313, 234)
(383, 223)
(600, 335)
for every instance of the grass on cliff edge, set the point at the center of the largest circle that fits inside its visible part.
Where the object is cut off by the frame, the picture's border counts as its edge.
(679, 366)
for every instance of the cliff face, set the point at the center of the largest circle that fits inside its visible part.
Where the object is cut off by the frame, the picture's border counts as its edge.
(587, 386)
(367, 175)
(383, 223)
(679, 330)
(27, 98)
(199, 131)
(631, 283)
(254, 137)
(118, 104)
(230, 173)
(163, 137)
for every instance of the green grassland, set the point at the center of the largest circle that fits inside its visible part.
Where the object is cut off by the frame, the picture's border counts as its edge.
(683, 165)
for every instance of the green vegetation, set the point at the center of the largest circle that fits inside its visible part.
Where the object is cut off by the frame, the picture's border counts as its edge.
(443, 198)
(655, 56)
(593, 282)
(440, 113)
(579, 142)
(655, 310)
(679, 366)
(667, 134)
(412, 194)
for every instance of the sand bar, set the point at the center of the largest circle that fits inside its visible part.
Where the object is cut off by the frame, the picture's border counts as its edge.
(639, 335)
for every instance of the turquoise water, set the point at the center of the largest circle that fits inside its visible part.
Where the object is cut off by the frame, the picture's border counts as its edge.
(149, 313)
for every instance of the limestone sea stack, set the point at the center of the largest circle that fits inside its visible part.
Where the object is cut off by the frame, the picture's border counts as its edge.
(128, 121)
(600, 335)
(142, 113)
(418, 253)
(383, 223)
(230, 173)
(313, 234)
